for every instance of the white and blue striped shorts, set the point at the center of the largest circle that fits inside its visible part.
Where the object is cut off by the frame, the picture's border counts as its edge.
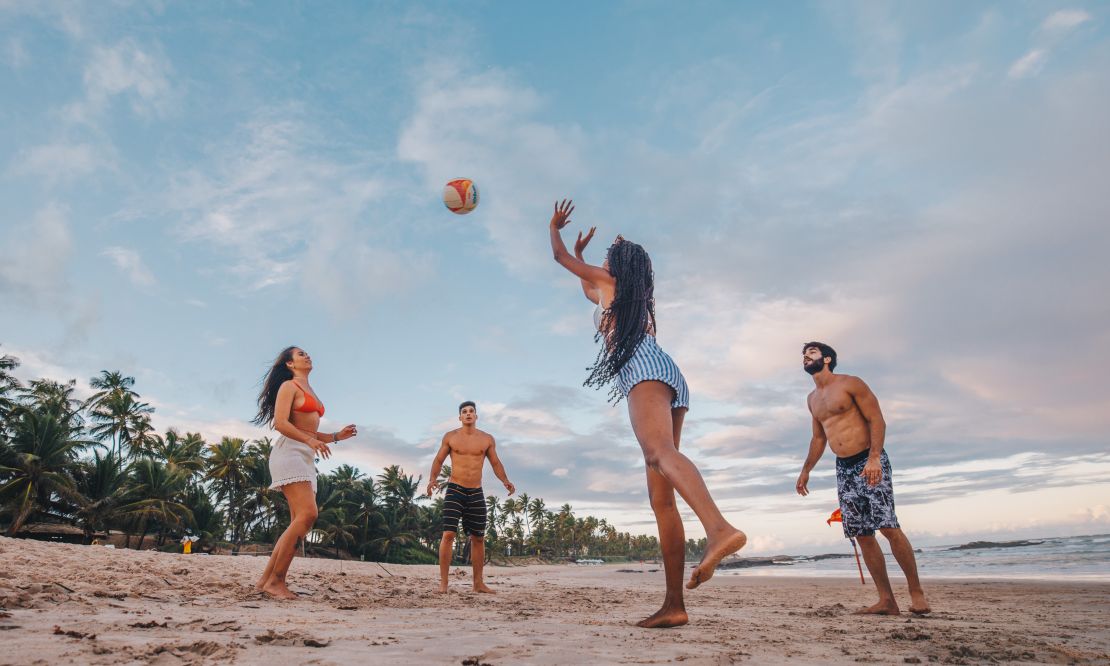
(650, 362)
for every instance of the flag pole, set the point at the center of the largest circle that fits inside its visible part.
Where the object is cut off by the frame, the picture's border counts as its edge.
(858, 565)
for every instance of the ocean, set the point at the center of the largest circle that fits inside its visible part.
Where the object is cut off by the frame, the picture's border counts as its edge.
(1063, 558)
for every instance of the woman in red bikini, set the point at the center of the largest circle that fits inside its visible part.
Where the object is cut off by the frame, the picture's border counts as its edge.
(288, 403)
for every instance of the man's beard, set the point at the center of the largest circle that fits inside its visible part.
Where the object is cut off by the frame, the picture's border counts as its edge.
(813, 367)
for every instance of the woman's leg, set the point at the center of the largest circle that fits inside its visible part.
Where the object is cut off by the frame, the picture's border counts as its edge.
(649, 407)
(672, 540)
(270, 563)
(302, 504)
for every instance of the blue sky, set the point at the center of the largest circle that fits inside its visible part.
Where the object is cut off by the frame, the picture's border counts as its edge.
(190, 187)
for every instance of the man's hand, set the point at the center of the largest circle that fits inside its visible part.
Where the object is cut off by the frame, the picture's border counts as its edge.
(321, 448)
(581, 243)
(561, 217)
(872, 472)
(346, 433)
(510, 487)
(432, 485)
(803, 483)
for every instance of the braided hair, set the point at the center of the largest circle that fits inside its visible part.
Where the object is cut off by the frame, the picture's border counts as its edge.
(632, 311)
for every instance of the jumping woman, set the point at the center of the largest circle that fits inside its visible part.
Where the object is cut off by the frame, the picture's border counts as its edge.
(641, 372)
(289, 404)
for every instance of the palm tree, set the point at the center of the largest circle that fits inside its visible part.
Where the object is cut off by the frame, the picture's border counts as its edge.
(161, 493)
(102, 486)
(523, 502)
(227, 469)
(9, 386)
(181, 454)
(38, 460)
(120, 418)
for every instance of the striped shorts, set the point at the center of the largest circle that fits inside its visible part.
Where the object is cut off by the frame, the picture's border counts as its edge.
(468, 504)
(650, 362)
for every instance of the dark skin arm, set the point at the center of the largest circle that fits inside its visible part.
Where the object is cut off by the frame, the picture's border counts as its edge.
(869, 408)
(594, 276)
(816, 449)
(588, 289)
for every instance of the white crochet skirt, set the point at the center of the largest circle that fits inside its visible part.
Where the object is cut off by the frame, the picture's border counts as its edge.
(290, 462)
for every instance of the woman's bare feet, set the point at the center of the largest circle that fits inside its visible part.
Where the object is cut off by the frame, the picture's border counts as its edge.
(278, 590)
(261, 584)
(665, 617)
(481, 587)
(881, 608)
(718, 549)
(443, 587)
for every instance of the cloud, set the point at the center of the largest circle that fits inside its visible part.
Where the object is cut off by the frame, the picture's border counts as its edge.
(483, 126)
(129, 261)
(125, 69)
(35, 257)
(289, 205)
(60, 161)
(1028, 64)
(1065, 19)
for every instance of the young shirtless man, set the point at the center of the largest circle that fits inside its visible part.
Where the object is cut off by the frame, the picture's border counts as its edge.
(846, 415)
(468, 448)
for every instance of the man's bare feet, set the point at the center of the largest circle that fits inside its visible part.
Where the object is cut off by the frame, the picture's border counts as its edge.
(278, 590)
(481, 587)
(918, 604)
(881, 608)
(665, 617)
(716, 551)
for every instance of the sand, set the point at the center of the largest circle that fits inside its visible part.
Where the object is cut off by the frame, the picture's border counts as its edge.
(83, 604)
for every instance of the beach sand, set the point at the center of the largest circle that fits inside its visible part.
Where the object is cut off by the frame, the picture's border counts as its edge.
(83, 604)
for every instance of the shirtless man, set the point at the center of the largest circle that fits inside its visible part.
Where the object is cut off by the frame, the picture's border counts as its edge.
(468, 448)
(846, 415)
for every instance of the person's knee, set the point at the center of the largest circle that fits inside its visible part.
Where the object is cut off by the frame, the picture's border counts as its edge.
(304, 521)
(448, 538)
(662, 502)
(891, 533)
(654, 458)
(866, 539)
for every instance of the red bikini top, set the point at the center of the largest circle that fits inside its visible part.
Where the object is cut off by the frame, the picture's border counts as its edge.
(311, 404)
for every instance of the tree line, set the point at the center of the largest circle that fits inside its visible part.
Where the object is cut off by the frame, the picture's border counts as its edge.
(98, 464)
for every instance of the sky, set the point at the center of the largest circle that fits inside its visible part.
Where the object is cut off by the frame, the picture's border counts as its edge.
(191, 187)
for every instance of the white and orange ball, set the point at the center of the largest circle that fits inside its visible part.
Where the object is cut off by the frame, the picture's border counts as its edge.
(460, 196)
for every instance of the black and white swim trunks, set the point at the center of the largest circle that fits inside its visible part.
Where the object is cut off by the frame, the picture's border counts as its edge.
(467, 504)
(865, 508)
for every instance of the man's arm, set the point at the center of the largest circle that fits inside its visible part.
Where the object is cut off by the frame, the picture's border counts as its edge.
(437, 465)
(498, 468)
(816, 450)
(869, 408)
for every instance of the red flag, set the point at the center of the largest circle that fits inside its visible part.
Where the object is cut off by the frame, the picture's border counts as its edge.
(836, 517)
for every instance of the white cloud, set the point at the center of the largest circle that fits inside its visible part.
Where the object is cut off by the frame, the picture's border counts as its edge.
(560, 472)
(481, 126)
(35, 256)
(1028, 64)
(273, 200)
(59, 161)
(125, 69)
(1065, 19)
(131, 263)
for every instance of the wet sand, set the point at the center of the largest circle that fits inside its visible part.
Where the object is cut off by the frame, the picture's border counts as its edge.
(82, 604)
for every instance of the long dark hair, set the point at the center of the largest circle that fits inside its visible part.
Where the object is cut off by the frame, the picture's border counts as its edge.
(278, 374)
(625, 323)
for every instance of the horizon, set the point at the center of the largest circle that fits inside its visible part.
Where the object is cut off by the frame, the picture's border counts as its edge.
(193, 188)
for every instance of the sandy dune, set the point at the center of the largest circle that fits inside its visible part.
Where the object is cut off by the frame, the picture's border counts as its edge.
(78, 604)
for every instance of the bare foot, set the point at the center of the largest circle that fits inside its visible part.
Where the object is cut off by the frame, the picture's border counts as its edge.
(881, 608)
(717, 550)
(261, 584)
(443, 587)
(918, 605)
(665, 617)
(481, 587)
(278, 590)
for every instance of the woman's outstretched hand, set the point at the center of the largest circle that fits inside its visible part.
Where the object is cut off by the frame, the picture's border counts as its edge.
(581, 243)
(561, 217)
(346, 433)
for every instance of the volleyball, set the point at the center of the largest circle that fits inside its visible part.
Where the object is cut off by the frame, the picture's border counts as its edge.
(460, 196)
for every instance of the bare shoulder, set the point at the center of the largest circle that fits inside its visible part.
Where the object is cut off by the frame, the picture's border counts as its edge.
(450, 435)
(488, 438)
(851, 382)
